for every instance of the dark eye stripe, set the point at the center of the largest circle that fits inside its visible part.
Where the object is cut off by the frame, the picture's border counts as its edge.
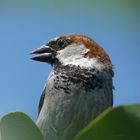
(59, 44)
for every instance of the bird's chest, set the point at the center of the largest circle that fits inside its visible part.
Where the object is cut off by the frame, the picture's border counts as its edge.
(71, 80)
(71, 101)
(68, 107)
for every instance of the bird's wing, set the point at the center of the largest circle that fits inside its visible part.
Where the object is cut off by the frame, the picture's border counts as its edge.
(41, 101)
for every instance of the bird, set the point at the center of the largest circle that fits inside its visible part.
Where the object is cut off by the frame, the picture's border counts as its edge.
(79, 86)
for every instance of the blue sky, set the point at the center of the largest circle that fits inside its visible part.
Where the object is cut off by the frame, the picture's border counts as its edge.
(24, 26)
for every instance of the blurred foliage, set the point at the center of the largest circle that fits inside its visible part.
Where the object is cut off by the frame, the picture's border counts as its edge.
(18, 126)
(119, 123)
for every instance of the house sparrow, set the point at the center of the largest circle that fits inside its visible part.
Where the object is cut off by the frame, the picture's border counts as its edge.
(79, 86)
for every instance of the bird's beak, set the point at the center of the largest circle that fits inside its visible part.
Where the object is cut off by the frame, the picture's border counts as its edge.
(44, 54)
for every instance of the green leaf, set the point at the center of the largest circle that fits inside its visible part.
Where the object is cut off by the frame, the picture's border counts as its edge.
(119, 123)
(18, 126)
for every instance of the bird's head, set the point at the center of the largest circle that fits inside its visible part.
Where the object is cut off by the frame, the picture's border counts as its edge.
(73, 49)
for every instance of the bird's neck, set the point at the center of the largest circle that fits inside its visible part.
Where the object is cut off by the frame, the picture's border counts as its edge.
(87, 78)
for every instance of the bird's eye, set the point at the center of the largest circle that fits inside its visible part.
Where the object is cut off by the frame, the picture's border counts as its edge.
(62, 42)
